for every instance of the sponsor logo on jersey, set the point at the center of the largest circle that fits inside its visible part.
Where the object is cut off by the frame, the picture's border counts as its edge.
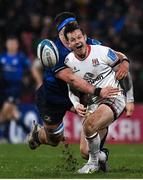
(95, 62)
(90, 78)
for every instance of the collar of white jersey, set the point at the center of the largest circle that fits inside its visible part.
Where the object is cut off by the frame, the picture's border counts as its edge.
(88, 52)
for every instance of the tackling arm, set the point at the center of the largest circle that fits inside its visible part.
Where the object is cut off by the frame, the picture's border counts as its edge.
(78, 83)
(83, 86)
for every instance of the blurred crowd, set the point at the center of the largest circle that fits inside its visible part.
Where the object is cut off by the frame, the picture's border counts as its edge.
(118, 24)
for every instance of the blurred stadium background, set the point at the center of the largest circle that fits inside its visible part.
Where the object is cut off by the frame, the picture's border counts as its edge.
(118, 24)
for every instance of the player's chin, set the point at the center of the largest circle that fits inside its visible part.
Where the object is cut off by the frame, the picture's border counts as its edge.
(80, 51)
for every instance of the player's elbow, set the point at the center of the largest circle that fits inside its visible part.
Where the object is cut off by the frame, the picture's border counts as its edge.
(66, 75)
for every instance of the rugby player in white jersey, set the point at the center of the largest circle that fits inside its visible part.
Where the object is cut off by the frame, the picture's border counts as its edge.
(95, 65)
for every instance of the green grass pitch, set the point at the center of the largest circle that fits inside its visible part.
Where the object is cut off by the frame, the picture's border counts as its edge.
(18, 161)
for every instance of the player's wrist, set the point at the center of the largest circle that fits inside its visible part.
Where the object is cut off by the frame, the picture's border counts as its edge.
(97, 91)
(126, 59)
(76, 104)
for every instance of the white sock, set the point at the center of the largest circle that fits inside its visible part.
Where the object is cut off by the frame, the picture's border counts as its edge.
(102, 156)
(94, 147)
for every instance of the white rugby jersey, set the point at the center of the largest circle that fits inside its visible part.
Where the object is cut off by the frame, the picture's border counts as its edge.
(97, 67)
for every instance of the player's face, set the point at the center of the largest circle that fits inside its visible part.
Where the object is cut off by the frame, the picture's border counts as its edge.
(77, 42)
(12, 45)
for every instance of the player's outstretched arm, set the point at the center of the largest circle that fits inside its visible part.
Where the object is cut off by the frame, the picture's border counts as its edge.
(82, 85)
(78, 83)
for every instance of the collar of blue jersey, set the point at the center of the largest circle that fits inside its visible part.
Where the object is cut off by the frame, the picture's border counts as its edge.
(66, 21)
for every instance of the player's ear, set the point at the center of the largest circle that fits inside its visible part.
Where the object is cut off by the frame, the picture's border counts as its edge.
(68, 44)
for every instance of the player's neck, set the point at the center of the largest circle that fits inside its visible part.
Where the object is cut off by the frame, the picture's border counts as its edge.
(11, 53)
(83, 56)
(80, 57)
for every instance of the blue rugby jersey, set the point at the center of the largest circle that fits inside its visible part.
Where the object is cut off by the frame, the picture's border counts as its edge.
(11, 69)
(55, 89)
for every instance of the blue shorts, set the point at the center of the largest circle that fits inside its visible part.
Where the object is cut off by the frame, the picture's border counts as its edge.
(51, 112)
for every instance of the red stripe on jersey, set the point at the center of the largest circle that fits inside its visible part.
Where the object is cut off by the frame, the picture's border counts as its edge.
(88, 50)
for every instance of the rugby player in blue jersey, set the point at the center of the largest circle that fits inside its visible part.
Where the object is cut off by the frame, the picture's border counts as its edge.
(52, 96)
(13, 65)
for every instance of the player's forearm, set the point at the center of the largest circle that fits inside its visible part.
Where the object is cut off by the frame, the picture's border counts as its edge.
(78, 83)
(82, 85)
(127, 86)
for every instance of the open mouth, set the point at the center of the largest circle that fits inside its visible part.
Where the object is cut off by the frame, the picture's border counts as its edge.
(79, 46)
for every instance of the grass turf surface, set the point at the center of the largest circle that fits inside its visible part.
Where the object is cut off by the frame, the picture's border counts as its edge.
(17, 161)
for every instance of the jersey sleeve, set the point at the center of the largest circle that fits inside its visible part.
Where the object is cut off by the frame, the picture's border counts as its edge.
(109, 56)
(60, 65)
(73, 94)
(130, 95)
(68, 61)
(127, 85)
(74, 98)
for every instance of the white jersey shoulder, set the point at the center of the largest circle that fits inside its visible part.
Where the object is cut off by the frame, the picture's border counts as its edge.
(69, 59)
(103, 53)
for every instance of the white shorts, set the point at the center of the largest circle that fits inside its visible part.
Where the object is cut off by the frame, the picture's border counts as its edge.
(117, 104)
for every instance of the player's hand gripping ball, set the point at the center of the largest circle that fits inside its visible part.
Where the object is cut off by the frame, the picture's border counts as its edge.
(47, 53)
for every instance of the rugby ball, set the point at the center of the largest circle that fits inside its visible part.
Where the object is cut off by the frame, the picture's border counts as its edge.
(47, 53)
